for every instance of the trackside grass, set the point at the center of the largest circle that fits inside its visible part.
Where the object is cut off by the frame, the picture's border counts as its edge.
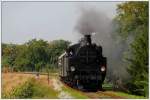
(109, 88)
(31, 89)
(43, 91)
(129, 96)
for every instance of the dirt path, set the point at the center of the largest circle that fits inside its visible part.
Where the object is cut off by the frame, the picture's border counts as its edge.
(111, 94)
(57, 85)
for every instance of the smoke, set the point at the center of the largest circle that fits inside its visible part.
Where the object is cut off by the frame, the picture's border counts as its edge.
(92, 20)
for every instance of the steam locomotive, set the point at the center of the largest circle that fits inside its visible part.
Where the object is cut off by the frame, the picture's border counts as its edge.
(82, 65)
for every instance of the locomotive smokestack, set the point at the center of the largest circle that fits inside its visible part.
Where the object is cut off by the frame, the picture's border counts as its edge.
(87, 38)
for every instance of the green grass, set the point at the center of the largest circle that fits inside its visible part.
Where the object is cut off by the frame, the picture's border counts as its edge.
(107, 86)
(74, 93)
(43, 91)
(122, 94)
(129, 96)
(78, 95)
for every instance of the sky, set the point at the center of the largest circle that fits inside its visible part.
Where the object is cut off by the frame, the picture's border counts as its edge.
(23, 21)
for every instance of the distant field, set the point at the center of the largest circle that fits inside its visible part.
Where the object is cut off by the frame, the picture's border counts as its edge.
(25, 85)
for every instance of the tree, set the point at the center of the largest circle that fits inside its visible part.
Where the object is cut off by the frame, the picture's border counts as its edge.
(37, 54)
(33, 55)
(131, 16)
(132, 19)
(138, 66)
(56, 48)
(21, 62)
(9, 54)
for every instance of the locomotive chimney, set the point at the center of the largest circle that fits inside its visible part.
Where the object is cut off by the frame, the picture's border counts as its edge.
(88, 39)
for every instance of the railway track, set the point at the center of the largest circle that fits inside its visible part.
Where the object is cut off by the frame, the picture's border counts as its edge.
(98, 94)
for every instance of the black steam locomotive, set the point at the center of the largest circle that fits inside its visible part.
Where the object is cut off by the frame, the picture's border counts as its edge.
(83, 65)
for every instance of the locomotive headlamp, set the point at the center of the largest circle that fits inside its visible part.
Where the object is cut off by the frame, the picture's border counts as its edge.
(72, 68)
(103, 68)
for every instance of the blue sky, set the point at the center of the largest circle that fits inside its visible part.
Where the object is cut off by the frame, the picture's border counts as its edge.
(23, 21)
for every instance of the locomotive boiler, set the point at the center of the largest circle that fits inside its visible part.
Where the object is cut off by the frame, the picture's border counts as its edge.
(83, 65)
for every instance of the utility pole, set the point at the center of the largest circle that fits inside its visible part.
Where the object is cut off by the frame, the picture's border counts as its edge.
(48, 74)
(48, 77)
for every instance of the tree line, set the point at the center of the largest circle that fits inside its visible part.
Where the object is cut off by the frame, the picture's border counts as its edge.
(132, 20)
(34, 55)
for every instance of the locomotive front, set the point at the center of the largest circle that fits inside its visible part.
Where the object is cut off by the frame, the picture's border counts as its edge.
(85, 65)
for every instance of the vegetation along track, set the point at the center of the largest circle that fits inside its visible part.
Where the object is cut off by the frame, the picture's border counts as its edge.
(55, 85)
(103, 94)
(106, 94)
(98, 94)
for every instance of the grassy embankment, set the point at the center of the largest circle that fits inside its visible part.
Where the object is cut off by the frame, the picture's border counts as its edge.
(108, 87)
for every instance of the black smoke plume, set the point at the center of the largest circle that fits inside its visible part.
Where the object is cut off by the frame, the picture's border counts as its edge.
(93, 21)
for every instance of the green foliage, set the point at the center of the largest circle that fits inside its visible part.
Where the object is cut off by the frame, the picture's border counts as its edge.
(5, 62)
(131, 16)
(56, 48)
(107, 86)
(138, 65)
(9, 53)
(128, 96)
(34, 55)
(132, 22)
